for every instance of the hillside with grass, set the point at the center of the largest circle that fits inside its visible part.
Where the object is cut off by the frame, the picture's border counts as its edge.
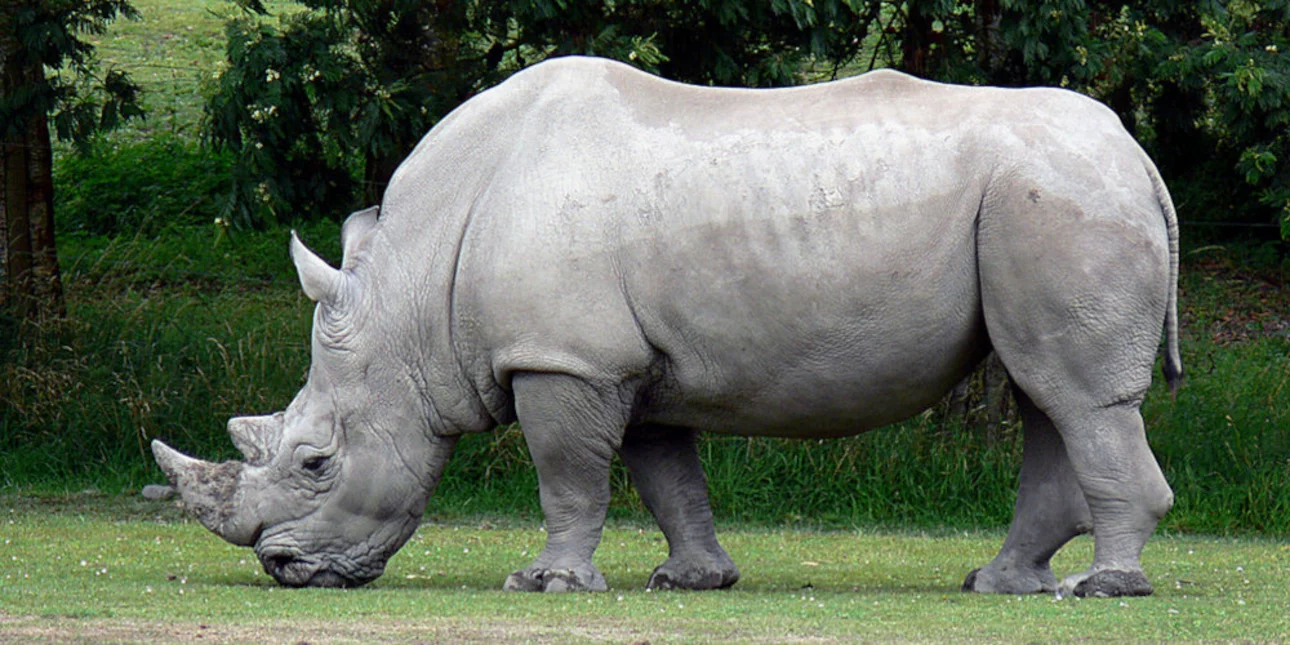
(178, 321)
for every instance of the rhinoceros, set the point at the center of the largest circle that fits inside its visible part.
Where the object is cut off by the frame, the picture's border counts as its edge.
(619, 261)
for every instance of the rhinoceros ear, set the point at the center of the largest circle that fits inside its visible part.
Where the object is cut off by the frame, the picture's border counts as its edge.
(321, 282)
(256, 437)
(356, 227)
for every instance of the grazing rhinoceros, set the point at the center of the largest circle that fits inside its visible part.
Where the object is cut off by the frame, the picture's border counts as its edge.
(619, 261)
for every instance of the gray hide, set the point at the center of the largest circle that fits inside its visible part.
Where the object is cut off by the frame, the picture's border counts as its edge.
(619, 261)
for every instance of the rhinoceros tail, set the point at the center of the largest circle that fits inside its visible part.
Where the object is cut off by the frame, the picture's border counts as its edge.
(1173, 360)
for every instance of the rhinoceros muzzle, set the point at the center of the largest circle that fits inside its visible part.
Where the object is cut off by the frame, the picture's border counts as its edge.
(211, 492)
(295, 571)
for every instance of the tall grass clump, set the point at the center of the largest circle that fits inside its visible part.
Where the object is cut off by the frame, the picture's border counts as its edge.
(170, 336)
(165, 337)
(1224, 443)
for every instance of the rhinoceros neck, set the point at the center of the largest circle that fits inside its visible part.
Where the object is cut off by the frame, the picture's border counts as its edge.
(412, 280)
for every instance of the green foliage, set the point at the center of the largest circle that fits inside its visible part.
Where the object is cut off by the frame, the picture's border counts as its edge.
(1237, 80)
(139, 186)
(48, 34)
(329, 99)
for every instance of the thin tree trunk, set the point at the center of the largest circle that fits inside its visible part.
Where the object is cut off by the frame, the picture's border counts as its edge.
(914, 41)
(17, 229)
(998, 405)
(47, 279)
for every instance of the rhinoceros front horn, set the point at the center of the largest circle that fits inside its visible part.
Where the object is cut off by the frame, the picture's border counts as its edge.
(210, 491)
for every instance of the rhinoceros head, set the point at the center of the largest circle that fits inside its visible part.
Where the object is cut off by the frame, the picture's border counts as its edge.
(331, 487)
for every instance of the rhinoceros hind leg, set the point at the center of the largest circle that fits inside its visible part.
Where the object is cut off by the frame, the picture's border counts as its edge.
(1076, 320)
(1050, 510)
(664, 466)
(572, 429)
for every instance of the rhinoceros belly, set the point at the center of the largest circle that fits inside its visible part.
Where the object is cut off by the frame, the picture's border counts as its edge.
(810, 324)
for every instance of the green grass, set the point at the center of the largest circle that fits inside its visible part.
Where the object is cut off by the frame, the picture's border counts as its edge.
(104, 570)
(171, 51)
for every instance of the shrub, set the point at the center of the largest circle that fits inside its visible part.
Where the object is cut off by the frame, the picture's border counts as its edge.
(127, 187)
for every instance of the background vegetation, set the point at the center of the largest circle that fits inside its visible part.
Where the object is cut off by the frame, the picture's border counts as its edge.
(176, 323)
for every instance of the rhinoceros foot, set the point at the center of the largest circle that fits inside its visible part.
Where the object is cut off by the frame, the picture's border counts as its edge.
(584, 578)
(994, 578)
(695, 574)
(1107, 583)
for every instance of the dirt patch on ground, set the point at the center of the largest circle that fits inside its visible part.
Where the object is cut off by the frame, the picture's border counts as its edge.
(438, 630)
(73, 630)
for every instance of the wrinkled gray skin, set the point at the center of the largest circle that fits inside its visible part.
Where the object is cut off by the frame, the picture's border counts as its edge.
(619, 261)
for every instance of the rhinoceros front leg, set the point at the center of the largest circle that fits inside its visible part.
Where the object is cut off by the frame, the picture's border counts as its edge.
(572, 430)
(1050, 511)
(665, 468)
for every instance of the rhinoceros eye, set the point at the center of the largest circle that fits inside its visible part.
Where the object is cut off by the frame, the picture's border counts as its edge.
(314, 464)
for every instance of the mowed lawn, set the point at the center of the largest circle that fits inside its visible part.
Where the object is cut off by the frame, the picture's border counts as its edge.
(71, 573)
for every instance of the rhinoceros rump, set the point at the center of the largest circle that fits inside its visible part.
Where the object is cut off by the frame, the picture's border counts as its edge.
(619, 262)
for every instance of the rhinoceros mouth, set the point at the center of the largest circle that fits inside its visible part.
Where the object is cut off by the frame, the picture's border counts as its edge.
(292, 569)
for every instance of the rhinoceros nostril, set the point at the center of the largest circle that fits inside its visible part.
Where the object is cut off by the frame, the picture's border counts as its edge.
(286, 568)
(277, 562)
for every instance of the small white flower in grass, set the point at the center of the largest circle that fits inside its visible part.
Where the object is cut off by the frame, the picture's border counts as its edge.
(1172, 610)
(147, 590)
(1240, 602)
(466, 550)
(620, 599)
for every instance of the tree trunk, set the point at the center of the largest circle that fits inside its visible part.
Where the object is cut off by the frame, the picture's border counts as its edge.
(48, 287)
(915, 42)
(32, 284)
